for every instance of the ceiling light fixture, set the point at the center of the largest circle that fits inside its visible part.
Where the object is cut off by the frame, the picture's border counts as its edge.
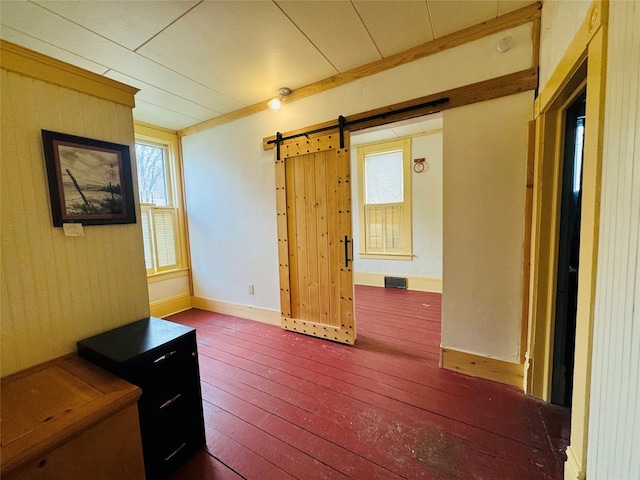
(276, 102)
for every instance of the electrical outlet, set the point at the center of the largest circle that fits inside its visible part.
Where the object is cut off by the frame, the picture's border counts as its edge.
(251, 289)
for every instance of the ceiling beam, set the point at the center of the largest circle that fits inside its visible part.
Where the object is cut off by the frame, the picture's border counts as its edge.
(477, 92)
(513, 19)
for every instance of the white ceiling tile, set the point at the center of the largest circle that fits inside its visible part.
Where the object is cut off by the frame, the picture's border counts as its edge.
(245, 49)
(408, 130)
(449, 16)
(403, 128)
(19, 38)
(120, 21)
(31, 19)
(507, 6)
(371, 137)
(396, 25)
(170, 101)
(431, 122)
(161, 117)
(335, 29)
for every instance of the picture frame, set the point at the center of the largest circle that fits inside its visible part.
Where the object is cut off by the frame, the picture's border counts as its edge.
(90, 181)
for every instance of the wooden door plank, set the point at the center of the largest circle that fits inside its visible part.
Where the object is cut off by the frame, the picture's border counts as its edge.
(301, 236)
(292, 240)
(344, 218)
(335, 244)
(324, 266)
(311, 207)
(283, 243)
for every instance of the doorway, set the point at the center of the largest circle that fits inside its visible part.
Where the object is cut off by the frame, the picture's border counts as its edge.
(414, 282)
(583, 66)
(568, 253)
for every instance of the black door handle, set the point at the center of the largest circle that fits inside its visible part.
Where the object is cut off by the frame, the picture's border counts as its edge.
(346, 251)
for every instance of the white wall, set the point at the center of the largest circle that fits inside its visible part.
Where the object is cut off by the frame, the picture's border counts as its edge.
(229, 179)
(614, 427)
(485, 158)
(559, 23)
(426, 188)
(230, 191)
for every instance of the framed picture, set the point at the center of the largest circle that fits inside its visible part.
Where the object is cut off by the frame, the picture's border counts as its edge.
(89, 180)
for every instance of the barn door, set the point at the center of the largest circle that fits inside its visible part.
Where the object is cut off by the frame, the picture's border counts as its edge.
(314, 237)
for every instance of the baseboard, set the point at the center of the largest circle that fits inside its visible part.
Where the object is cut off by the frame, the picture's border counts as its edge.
(169, 306)
(422, 284)
(263, 315)
(572, 469)
(483, 367)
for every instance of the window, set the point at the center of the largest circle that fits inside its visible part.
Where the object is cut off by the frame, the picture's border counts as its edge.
(158, 212)
(385, 199)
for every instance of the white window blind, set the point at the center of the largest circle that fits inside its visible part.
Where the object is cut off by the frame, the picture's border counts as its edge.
(165, 237)
(159, 234)
(384, 198)
(383, 178)
(145, 216)
(384, 227)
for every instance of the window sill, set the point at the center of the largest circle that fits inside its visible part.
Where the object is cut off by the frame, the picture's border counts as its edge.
(387, 256)
(167, 275)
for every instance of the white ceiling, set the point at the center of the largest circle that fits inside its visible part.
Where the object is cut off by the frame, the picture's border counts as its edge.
(392, 131)
(195, 60)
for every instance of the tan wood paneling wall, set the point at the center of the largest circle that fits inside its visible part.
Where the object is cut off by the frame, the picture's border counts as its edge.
(57, 289)
(614, 427)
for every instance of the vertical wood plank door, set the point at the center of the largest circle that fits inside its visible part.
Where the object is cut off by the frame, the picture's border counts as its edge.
(315, 248)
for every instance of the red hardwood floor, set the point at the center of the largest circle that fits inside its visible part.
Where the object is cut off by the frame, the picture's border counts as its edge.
(280, 405)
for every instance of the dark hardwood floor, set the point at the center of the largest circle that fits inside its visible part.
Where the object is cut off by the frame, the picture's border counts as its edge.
(281, 405)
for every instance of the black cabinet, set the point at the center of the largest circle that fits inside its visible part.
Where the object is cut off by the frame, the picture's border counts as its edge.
(161, 358)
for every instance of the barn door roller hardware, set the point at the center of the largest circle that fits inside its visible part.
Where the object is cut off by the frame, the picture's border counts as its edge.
(343, 123)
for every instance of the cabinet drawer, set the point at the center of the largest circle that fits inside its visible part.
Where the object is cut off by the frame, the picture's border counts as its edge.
(162, 381)
(159, 417)
(167, 360)
(169, 452)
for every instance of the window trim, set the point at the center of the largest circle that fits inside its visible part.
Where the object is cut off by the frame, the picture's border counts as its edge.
(406, 252)
(169, 141)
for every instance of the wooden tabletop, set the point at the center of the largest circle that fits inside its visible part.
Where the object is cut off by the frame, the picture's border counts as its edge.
(45, 406)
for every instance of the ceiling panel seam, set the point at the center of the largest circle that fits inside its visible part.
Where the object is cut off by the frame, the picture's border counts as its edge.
(433, 30)
(129, 50)
(168, 92)
(165, 27)
(366, 29)
(305, 36)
